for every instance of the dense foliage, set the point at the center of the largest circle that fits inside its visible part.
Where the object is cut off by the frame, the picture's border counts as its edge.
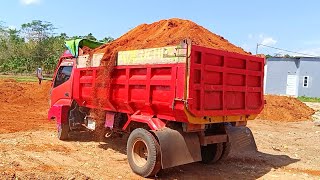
(34, 45)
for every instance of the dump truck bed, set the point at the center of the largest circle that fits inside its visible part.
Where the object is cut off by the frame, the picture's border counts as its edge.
(224, 83)
(206, 86)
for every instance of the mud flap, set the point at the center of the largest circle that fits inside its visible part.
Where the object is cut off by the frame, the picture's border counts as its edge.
(59, 112)
(178, 148)
(241, 139)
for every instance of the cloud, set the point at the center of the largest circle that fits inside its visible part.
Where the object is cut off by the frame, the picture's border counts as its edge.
(314, 51)
(309, 52)
(261, 38)
(29, 2)
(268, 41)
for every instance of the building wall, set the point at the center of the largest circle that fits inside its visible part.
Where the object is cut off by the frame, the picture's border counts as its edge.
(277, 71)
(279, 68)
(310, 67)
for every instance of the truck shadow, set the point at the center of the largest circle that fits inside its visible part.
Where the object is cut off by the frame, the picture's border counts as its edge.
(249, 166)
(115, 142)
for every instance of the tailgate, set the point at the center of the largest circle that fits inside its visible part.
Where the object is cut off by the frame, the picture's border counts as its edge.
(223, 83)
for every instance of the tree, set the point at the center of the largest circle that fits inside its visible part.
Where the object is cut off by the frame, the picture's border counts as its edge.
(35, 44)
(90, 37)
(107, 39)
(76, 37)
(14, 36)
(287, 56)
(2, 28)
(268, 56)
(64, 36)
(37, 30)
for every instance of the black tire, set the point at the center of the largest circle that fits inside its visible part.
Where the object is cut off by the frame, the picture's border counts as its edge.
(143, 151)
(226, 150)
(211, 153)
(226, 145)
(63, 131)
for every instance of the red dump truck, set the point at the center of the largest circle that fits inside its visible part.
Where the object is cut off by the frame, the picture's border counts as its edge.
(176, 103)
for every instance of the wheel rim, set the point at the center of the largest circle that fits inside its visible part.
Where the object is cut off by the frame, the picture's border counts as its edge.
(140, 153)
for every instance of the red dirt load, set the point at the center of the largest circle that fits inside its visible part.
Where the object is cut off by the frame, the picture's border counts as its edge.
(159, 34)
(283, 108)
(166, 33)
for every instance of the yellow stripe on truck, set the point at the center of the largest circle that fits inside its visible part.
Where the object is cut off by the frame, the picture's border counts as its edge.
(216, 119)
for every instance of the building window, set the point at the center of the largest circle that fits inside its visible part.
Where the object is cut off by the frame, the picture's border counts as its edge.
(305, 81)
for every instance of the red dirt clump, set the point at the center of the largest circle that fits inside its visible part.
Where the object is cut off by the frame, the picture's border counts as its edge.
(283, 108)
(86, 50)
(166, 33)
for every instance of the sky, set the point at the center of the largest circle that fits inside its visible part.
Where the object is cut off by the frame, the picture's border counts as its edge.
(288, 24)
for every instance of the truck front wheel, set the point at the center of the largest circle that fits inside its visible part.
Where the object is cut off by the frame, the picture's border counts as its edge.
(143, 153)
(63, 131)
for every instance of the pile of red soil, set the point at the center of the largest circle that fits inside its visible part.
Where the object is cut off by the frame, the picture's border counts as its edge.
(158, 34)
(283, 108)
(24, 106)
(166, 33)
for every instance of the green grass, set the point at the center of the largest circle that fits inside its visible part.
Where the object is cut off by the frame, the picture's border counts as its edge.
(19, 78)
(308, 99)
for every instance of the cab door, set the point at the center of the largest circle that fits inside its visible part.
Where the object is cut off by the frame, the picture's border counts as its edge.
(63, 80)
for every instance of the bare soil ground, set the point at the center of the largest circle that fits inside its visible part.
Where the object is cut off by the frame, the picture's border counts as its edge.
(29, 148)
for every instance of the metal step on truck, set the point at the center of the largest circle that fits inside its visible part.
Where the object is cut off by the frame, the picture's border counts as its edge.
(179, 104)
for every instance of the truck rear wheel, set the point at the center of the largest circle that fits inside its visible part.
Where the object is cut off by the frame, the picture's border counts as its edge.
(226, 150)
(143, 151)
(63, 131)
(211, 153)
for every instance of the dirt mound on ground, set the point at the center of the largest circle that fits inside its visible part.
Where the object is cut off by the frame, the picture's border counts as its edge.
(166, 33)
(283, 108)
(23, 93)
(24, 106)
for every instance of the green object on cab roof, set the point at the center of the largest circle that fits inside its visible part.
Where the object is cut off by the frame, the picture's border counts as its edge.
(73, 45)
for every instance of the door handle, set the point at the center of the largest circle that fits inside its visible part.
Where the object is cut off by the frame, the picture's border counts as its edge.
(66, 94)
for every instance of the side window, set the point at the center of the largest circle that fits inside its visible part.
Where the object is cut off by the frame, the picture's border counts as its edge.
(306, 81)
(63, 75)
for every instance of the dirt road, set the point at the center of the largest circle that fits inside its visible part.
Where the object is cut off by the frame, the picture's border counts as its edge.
(29, 148)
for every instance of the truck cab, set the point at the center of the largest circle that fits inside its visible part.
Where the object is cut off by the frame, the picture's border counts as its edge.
(62, 81)
(61, 93)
